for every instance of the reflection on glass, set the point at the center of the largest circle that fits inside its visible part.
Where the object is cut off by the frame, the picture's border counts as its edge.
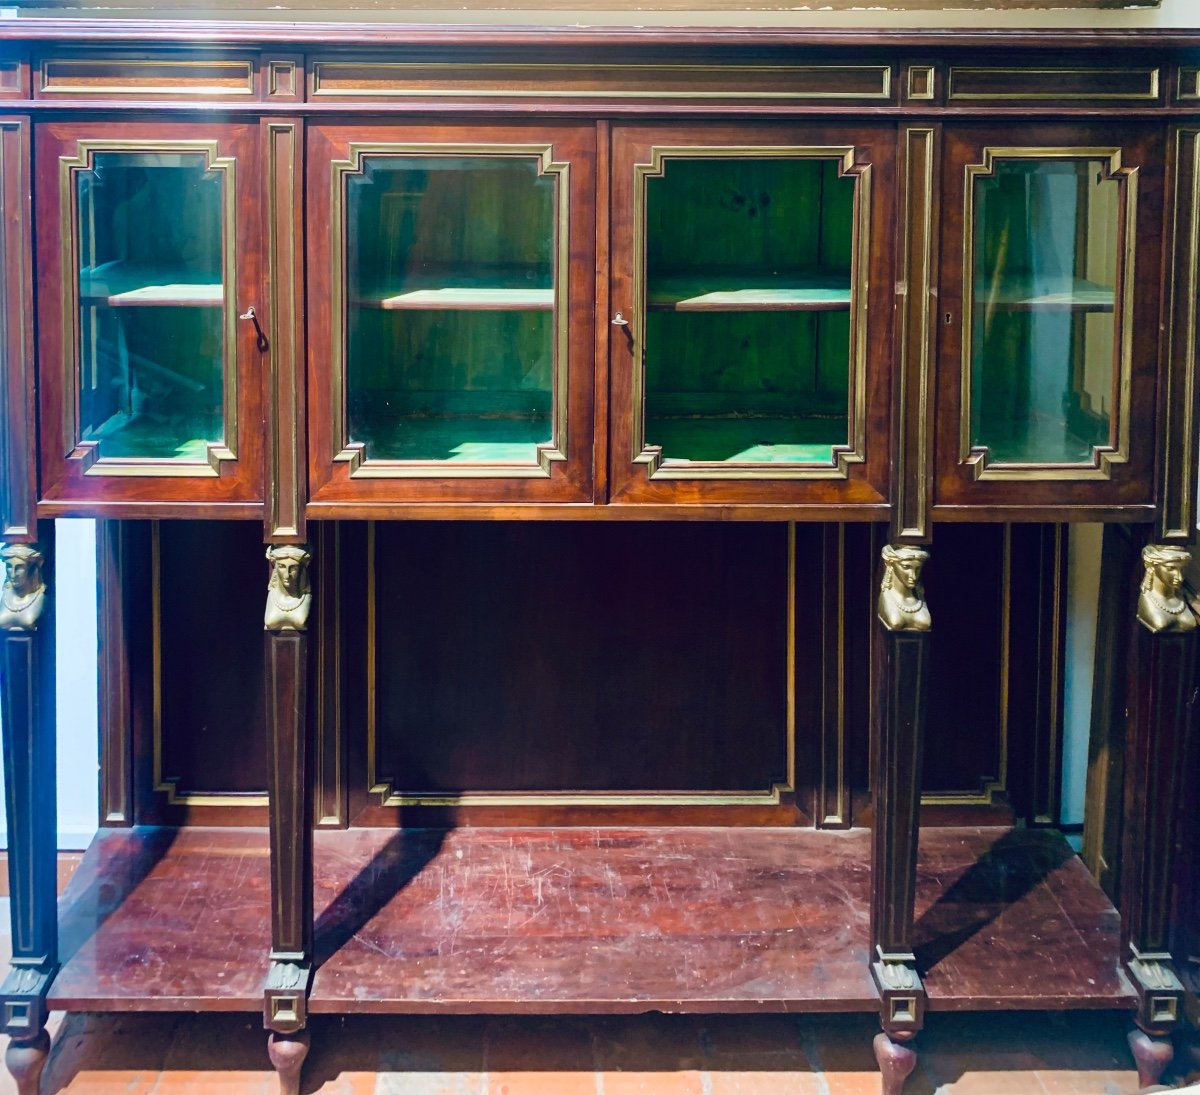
(1044, 282)
(450, 308)
(747, 335)
(151, 305)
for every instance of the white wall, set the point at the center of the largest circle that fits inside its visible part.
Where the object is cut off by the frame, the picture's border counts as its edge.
(75, 604)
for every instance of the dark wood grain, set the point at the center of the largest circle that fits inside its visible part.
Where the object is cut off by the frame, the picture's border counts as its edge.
(27, 716)
(115, 715)
(287, 697)
(282, 296)
(63, 476)
(584, 919)
(18, 462)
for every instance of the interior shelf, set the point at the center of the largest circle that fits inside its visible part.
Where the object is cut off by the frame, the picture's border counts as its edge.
(118, 286)
(1059, 294)
(506, 290)
(584, 920)
(746, 292)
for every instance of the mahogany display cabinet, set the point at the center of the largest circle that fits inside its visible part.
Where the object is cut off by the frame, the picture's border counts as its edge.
(599, 397)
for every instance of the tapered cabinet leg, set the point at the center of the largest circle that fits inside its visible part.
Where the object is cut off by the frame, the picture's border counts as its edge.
(901, 668)
(285, 995)
(25, 1061)
(1161, 687)
(27, 713)
(1151, 1054)
(896, 1060)
(287, 1053)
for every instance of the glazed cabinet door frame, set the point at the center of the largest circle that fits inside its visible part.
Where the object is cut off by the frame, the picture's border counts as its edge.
(227, 478)
(853, 155)
(342, 470)
(1120, 473)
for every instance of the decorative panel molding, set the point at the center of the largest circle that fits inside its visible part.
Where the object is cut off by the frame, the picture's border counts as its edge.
(1024, 84)
(208, 78)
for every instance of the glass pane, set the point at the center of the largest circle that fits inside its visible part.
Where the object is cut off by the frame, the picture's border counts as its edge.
(748, 310)
(151, 305)
(1043, 329)
(450, 314)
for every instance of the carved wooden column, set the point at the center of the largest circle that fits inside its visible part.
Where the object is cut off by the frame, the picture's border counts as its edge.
(27, 698)
(901, 663)
(285, 997)
(1161, 696)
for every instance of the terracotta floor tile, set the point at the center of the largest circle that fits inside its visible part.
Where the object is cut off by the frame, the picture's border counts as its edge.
(211, 1082)
(430, 1083)
(654, 1083)
(778, 1082)
(1087, 1082)
(111, 1082)
(542, 1083)
(345, 1083)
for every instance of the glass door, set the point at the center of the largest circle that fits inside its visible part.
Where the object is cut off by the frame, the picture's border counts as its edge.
(155, 256)
(454, 268)
(748, 338)
(1049, 344)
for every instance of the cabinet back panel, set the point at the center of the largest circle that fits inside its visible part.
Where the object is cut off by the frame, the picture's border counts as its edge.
(550, 657)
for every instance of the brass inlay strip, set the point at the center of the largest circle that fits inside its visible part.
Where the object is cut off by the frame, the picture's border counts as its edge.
(990, 788)
(283, 360)
(87, 452)
(921, 83)
(353, 453)
(17, 434)
(1178, 507)
(131, 76)
(163, 784)
(409, 79)
(384, 786)
(1053, 709)
(1024, 83)
(916, 338)
(854, 451)
(1187, 85)
(1117, 451)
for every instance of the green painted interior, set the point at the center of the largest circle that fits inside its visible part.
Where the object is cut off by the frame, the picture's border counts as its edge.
(1043, 327)
(747, 332)
(151, 332)
(449, 312)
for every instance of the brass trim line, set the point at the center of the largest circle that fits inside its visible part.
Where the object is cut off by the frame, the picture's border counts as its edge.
(854, 451)
(353, 453)
(1178, 505)
(916, 348)
(549, 71)
(87, 452)
(1034, 95)
(165, 87)
(282, 363)
(998, 785)
(162, 784)
(921, 82)
(1104, 457)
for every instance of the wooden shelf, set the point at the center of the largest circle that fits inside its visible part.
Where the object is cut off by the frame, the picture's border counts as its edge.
(506, 290)
(1046, 295)
(119, 287)
(584, 920)
(726, 292)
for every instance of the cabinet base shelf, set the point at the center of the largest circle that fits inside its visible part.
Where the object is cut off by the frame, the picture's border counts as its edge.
(585, 920)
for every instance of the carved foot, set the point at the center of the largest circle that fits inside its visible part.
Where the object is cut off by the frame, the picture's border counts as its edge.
(896, 1062)
(1151, 1054)
(287, 1053)
(25, 1061)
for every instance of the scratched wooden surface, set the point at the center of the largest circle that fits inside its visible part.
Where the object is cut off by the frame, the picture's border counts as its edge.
(584, 920)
